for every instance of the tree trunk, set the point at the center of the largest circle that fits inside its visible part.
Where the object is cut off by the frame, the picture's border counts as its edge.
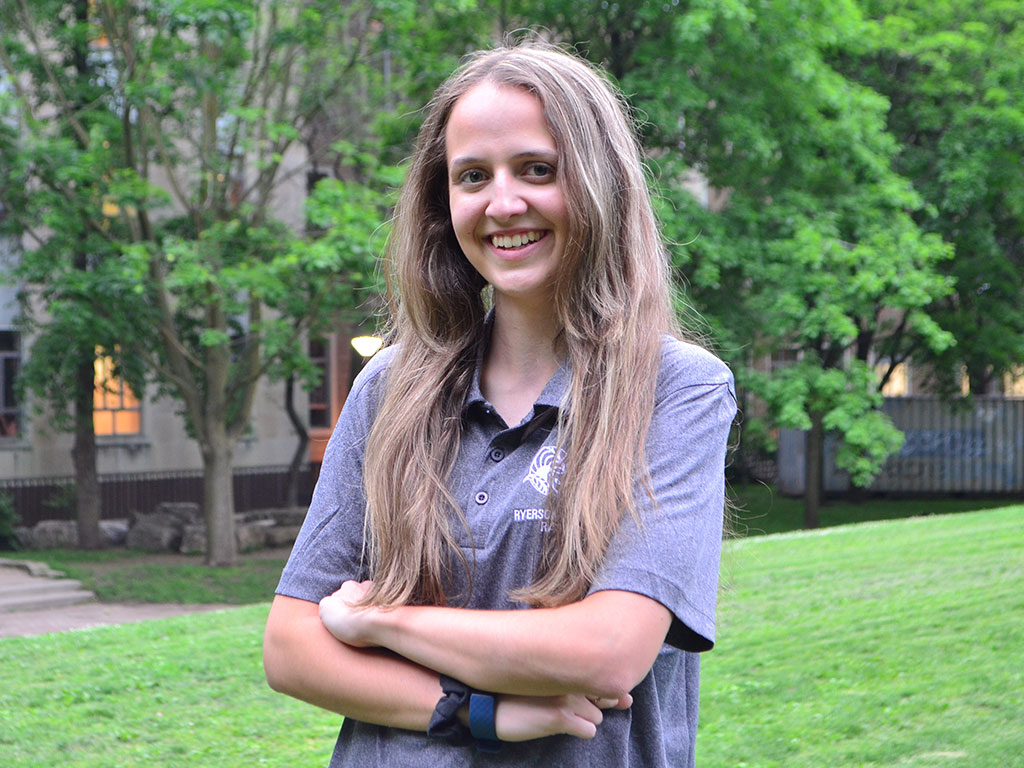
(813, 471)
(979, 379)
(291, 493)
(83, 452)
(219, 498)
(87, 485)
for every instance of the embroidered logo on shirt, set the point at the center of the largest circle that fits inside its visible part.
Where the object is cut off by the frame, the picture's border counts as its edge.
(533, 515)
(545, 469)
(526, 514)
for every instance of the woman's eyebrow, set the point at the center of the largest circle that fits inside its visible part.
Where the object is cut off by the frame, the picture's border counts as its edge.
(548, 154)
(465, 160)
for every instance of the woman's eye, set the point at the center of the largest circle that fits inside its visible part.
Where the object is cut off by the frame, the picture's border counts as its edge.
(471, 176)
(539, 170)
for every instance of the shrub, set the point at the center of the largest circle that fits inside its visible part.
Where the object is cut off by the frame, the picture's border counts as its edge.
(8, 519)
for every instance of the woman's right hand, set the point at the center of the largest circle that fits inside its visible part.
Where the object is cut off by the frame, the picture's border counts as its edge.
(519, 718)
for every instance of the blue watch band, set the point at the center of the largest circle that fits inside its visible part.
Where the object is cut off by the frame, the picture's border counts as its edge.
(481, 722)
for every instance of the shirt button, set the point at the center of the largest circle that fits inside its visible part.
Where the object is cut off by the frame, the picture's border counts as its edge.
(497, 454)
(481, 497)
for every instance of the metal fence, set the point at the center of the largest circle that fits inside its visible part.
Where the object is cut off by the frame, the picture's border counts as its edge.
(123, 494)
(946, 449)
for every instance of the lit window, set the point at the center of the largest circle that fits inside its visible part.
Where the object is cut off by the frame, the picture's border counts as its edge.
(1013, 381)
(115, 407)
(97, 37)
(10, 362)
(898, 384)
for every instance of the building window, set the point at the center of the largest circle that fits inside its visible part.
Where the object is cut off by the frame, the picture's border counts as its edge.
(116, 409)
(1013, 382)
(320, 395)
(97, 36)
(784, 357)
(898, 384)
(10, 362)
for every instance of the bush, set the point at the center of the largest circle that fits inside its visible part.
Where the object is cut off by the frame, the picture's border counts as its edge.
(61, 502)
(8, 519)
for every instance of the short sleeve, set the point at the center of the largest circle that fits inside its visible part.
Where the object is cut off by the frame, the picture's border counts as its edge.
(329, 547)
(672, 554)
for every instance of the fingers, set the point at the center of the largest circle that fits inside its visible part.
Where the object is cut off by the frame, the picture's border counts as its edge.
(518, 718)
(348, 623)
(625, 702)
(587, 708)
(353, 591)
(582, 716)
(584, 713)
(580, 728)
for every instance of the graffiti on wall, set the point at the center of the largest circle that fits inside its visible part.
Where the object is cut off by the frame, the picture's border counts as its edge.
(943, 443)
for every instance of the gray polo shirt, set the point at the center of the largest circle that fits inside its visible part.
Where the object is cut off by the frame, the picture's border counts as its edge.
(501, 480)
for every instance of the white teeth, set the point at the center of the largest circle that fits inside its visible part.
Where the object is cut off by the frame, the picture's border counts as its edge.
(516, 241)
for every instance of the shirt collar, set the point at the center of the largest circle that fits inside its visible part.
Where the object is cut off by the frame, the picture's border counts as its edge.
(554, 393)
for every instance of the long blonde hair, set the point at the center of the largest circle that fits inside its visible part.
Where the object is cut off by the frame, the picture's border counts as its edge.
(612, 300)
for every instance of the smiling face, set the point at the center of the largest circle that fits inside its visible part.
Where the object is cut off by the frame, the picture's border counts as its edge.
(506, 203)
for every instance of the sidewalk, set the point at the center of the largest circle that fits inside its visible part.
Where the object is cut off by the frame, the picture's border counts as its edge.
(41, 622)
(53, 604)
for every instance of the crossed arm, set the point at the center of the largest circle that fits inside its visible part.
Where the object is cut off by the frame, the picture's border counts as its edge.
(554, 667)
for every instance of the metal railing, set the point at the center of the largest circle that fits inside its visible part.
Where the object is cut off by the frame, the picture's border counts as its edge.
(121, 495)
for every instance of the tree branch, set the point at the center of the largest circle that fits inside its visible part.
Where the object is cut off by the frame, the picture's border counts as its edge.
(178, 357)
(65, 105)
(146, 113)
(250, 362)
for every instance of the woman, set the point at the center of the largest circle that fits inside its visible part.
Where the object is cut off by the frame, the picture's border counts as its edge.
(562, 453)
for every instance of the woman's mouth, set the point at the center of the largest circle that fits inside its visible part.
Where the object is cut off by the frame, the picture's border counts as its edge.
(518, 240)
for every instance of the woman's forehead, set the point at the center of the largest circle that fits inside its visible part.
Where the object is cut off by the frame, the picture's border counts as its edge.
(492, 118)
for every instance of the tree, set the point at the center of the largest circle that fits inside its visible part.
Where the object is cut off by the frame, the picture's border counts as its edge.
(810, 247)
(191, 142)
(348, 222)
(954, 75)
(363, 130)
(54, 184)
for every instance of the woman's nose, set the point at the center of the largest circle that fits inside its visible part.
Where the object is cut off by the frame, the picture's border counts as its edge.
(506, 200)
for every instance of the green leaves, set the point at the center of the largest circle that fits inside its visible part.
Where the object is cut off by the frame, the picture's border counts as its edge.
(847, 399)
(954, 74)
(809, 244)
(158, 173)
(858, 163)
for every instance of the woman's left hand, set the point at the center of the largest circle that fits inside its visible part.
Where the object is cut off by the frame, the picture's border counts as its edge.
(343, 619)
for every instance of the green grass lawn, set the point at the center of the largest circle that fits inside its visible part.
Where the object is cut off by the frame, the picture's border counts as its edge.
(171, 693)
(882, 644)
(121, 575)
(760, 509)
